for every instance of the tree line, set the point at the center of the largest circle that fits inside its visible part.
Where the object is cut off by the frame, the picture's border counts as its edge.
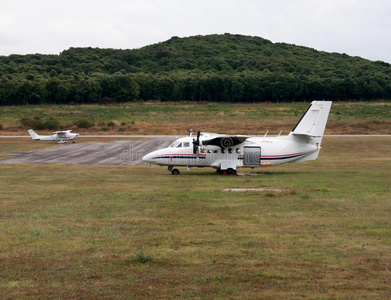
(226, 68)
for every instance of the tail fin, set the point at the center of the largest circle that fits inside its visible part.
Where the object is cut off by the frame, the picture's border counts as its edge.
(33, 134)
(310, 128)
(313, 122)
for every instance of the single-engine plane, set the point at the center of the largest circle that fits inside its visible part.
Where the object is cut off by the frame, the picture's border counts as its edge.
(228, 153)
(61, 136)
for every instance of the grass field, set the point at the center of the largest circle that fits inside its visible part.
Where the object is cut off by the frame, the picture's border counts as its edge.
(179, 117)
(138, 232)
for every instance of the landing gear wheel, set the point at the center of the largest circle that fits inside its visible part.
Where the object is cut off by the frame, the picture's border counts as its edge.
(231, 171)
(175, 172)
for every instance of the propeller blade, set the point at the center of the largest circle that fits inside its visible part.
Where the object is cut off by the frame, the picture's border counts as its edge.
(196, 143)
(194, 146)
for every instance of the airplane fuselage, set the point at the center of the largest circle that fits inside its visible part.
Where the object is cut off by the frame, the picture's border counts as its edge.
(253, 152)
(55, 138)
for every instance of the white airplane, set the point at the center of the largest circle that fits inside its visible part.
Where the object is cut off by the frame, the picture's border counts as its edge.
(61, 136)
(227, 153)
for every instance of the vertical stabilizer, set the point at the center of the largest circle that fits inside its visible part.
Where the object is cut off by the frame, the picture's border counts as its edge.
(33, 134)
(310, 128)
(313, 122)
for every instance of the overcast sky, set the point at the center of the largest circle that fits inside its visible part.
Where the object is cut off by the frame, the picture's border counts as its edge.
(355, 27)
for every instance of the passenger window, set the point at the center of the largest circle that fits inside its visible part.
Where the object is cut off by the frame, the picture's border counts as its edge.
(186, 144)
(179, 146)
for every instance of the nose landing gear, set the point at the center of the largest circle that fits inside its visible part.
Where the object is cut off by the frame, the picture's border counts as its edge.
(173, 171)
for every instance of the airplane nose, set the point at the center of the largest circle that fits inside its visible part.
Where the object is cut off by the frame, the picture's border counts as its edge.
(147, 158)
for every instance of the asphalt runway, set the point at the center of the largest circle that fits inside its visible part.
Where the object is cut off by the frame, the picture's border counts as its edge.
(128, 152)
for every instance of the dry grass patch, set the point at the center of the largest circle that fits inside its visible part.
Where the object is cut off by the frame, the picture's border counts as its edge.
(179, 117)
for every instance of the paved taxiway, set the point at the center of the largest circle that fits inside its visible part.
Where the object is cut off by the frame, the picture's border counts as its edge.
(129, 152)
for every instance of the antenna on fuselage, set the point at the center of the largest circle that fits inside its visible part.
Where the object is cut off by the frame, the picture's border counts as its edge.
(265, 134)
(190, 132)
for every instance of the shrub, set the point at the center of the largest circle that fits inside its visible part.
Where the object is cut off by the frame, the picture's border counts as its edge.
(32, 122)
(84, 123)
(38, 124)
(142, 257)
(51, 124)
(111, 124)
(1, 126)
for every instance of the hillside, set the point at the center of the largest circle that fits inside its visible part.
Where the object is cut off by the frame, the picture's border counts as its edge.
(209, 68)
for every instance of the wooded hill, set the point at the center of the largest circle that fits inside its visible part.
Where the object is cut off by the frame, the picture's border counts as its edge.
(207, 68)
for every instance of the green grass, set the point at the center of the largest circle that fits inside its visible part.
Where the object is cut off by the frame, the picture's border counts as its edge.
(139, 232)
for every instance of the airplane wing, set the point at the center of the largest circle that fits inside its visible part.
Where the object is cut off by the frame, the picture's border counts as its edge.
(62, 132)
(225, 141)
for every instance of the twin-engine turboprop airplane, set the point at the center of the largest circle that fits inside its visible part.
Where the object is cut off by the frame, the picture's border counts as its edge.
(61, 136)
(227, 153)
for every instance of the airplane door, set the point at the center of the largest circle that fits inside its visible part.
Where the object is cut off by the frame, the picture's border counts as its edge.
(251, 156)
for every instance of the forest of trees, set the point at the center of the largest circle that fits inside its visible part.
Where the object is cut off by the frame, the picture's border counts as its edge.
(229, 68)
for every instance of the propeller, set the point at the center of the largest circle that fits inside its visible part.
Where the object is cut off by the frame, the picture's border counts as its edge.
(196, 143)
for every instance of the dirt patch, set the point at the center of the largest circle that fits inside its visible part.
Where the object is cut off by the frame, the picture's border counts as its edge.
(364, 127)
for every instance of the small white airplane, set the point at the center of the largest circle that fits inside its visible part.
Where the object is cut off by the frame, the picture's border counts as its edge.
(61, 136)
(227, 153)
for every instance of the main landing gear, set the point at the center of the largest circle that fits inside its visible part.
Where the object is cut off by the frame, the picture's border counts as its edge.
(173, 171)
(223, 172)
(229, 171)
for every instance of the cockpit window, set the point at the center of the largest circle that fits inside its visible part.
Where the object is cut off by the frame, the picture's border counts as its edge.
(177, 144)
